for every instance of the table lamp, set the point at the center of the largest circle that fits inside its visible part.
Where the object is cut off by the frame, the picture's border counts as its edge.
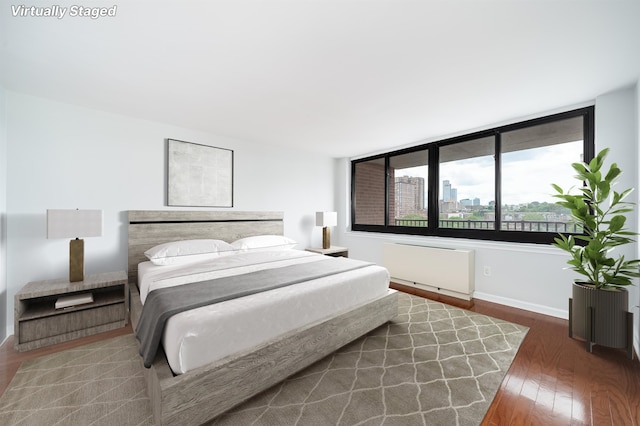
(326, 219)
(74, 224)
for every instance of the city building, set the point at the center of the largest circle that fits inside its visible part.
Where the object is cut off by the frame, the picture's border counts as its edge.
(409, 196)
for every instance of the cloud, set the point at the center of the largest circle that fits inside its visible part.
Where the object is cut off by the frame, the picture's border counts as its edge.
(527, 175)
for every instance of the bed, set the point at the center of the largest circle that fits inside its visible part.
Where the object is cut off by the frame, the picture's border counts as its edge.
(191, 389)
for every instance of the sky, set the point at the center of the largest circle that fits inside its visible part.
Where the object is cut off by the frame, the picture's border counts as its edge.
(526, 175)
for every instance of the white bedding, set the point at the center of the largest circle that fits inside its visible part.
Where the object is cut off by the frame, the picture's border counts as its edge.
(198, 337)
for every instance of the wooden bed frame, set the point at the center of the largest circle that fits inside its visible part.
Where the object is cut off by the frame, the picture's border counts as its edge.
(206, 392)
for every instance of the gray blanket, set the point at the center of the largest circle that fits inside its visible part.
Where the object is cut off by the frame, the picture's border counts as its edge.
(162, 303)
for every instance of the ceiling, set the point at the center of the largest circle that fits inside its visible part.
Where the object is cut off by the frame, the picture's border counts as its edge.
(342, 78)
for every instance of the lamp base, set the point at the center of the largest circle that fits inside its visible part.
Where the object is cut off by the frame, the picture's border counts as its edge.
(76, 260)
(326, 238)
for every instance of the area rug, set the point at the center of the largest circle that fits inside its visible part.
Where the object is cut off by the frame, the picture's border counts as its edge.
(434, 364)
(96, 384)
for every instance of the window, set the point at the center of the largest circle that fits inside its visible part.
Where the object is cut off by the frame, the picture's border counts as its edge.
(408, 176)
(467, 183)
(494, 184)
(532, 159)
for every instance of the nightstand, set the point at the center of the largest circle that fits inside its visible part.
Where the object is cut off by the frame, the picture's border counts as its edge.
(38, 323)
(334, 251)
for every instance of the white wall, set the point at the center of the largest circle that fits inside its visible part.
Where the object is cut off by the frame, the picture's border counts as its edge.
(3, 213)
(64, 156)
(529, 276)
(637, 185)
(617, 127)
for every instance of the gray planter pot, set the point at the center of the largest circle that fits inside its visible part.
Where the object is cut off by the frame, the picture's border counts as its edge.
(600, 317)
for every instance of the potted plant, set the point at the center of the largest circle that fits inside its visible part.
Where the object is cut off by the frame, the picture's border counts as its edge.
(598, 308)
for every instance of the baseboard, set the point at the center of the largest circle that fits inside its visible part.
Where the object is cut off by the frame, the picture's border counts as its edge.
(9, 334)
(541, 309)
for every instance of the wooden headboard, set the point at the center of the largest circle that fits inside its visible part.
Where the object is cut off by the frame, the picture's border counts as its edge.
(148, 228)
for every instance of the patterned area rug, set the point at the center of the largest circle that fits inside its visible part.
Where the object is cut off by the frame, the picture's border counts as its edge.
(432, 365)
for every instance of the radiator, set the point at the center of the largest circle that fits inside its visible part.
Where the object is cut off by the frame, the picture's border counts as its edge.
(446, 271)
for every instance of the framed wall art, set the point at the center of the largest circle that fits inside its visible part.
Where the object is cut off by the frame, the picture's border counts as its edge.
(199, 175)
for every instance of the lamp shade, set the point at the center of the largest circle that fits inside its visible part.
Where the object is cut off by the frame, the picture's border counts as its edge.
(74, 223)
(326, 219)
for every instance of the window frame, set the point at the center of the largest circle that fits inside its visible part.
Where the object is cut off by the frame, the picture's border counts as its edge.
(433, 229)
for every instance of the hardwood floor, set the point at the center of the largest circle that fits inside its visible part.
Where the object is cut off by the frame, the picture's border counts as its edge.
(552, 381)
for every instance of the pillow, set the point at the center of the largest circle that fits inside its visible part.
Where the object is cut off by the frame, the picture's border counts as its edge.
(187, 251)
(266, 242)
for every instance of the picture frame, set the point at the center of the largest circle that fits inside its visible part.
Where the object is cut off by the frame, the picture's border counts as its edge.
(199, 175)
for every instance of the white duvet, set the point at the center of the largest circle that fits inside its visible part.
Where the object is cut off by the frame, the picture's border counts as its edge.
(198, 337)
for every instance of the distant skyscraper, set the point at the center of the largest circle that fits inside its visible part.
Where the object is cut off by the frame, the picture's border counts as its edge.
(449, 194)
(446, 190)
(476, 201)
